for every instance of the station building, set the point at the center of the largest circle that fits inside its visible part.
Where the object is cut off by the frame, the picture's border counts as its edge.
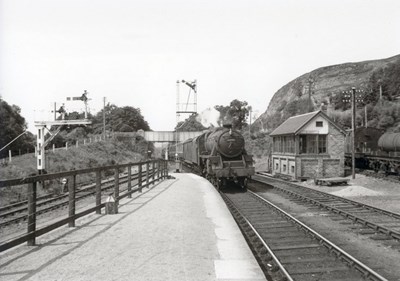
(308, 146)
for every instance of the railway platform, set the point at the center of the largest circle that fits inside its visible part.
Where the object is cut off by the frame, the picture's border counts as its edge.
(179, 229)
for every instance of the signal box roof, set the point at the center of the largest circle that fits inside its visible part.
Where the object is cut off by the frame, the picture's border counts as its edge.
(295, 123)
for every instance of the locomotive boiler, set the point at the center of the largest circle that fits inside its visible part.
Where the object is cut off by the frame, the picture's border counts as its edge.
(220, 156)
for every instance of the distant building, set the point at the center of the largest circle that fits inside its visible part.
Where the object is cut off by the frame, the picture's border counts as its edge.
(307, 146)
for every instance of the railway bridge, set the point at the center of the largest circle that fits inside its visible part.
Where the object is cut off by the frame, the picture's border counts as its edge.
(162, 136)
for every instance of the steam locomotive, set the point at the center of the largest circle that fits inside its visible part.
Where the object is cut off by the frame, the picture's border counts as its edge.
(219, 155)
(375, 149)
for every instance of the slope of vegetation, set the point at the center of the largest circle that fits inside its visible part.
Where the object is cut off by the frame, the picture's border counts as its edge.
(96, 154)
(323, 89)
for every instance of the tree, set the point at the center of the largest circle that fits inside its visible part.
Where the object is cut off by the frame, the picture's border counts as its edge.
(12, 124)
(190, 124)
(236, 113)
(385, 80)
(120, 119)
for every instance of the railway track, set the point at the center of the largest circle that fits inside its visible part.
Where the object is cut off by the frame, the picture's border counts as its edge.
(388, 177)
(378, 221)
(9, 214)
(287, 249)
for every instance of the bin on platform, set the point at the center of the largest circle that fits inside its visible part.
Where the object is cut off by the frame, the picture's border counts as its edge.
(111, 206)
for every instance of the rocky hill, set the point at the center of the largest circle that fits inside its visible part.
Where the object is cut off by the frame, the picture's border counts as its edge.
(323, 87)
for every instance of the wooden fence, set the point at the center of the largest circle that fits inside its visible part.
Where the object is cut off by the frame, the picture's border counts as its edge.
(148, 172)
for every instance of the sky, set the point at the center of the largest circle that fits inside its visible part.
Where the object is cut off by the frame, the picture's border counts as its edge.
(133, 51)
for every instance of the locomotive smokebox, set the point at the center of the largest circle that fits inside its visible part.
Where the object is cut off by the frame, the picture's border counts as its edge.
(228, 142)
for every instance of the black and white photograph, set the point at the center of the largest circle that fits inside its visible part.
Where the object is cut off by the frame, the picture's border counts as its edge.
(189, 140)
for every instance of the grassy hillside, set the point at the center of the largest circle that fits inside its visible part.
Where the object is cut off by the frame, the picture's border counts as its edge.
(88, 156)
(323, 89)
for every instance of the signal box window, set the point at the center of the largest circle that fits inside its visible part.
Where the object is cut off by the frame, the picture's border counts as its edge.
(322, 144)
(319, 124)
(312, 144)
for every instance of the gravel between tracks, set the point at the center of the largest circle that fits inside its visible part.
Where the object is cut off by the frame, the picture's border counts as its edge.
(380, 255)
(372, 191)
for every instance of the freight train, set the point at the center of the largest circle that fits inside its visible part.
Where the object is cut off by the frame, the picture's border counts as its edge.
(218, 154)
(375, 149)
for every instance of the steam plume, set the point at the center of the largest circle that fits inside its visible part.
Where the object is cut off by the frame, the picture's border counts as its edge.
(209, 117)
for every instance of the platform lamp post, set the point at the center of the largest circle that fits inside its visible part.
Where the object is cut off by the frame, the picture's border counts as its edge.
(350, 96)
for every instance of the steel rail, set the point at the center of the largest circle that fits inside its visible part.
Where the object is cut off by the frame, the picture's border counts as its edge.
(21, 203)
(374, 226)
(46, 199)
(269, 250)
(366, 206)
(62, 204)
(353, 262)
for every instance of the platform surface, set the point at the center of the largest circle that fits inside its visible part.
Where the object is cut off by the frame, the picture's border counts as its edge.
(180, 229)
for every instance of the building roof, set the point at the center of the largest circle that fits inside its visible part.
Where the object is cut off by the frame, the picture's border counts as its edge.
(293, 124)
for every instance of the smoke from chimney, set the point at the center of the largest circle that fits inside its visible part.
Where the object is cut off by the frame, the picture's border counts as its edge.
(208, 117)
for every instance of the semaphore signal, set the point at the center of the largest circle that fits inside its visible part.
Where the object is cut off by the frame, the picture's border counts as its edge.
(45, 125)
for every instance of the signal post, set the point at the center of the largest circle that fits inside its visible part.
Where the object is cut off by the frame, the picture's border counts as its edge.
(42, 126)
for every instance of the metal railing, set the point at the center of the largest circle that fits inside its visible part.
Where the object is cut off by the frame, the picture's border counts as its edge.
(148, 172)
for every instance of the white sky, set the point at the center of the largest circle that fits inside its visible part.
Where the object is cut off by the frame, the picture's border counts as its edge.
(133, 51)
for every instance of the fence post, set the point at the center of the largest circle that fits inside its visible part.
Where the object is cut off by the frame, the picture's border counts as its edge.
(98, 191)
(66, 145)
(129, 182)
(153, 173)
(147, 174)
(116, 185)
(140, 177)
(54, 147)
(71, 200)
(158, 170)
(10, 156)
(32, 213)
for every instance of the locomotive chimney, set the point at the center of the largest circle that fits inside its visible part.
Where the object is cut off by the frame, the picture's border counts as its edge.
(227, 125)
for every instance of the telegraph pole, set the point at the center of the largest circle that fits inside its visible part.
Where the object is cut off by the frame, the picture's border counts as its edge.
(104, 118)
(310, 84)
(177, 122)
(353, 132)
(250, 119)
(350, 96)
